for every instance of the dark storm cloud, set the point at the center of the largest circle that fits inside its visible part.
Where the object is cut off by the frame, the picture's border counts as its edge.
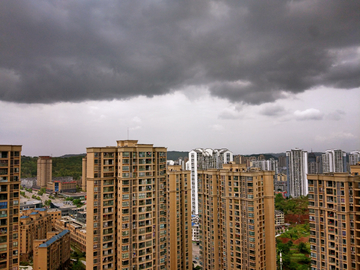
(247, 51)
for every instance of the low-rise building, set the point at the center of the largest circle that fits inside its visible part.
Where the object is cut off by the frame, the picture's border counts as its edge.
(34, 224)
(52, 252)
(62, 184)
(77, 231)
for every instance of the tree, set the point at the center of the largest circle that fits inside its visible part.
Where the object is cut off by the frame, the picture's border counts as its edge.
(303, 248)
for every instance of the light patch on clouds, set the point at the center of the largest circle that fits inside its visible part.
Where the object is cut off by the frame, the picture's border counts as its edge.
(308, 114)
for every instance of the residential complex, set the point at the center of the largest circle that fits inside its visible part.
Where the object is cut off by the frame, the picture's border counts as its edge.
(334, 206)
(203, 159)
(237, 219)
(44, 171)
(10, 166)
(334, 161)
(127, 204)
(34, 224)
(297, 169)
(53, 252)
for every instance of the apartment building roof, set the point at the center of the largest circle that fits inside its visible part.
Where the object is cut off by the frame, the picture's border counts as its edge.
(54, 238)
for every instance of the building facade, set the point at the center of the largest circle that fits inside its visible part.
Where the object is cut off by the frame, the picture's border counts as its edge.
(334, 161)
(297, 169)
(203, 159)
(334, 208)
(52, 252)
(237, 218)
(44, 171)
(127, 225)
(10, 167)
(77, 231)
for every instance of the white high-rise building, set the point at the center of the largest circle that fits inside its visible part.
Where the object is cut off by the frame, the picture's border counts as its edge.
(297, 169)
(334, 161)
(354, 157)
(266, 165)
(203, 159)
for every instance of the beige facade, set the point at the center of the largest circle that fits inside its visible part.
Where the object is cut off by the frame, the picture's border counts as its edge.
(53, 252)
(10, 166)
(55, 215)
(44, 171)
(127, 225)
(334, 215)
(77, 231)
(83, 176)
(34, 224)
(178, 200)
(237, 223)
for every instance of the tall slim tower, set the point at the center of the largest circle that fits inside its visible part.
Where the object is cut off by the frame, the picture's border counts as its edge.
(84, 176)
(237, 218)
(203, 159)
(128, 197)
(297, 169)
(10, 166)
(44, 171)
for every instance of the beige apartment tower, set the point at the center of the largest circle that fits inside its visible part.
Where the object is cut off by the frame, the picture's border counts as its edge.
(10, 165)
(44, 171)
(178, 200)
(334, 207)
(237, 222)
(127, 226)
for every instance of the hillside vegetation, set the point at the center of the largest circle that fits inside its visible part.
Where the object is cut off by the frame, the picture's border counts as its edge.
(61, 166)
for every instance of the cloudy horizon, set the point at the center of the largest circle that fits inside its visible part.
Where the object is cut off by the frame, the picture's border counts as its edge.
(251, 76)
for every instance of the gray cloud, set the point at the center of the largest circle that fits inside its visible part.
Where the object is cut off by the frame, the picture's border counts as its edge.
(272, 110)
(252, 51)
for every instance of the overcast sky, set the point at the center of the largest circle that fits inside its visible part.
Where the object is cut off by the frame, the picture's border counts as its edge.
(252, 76)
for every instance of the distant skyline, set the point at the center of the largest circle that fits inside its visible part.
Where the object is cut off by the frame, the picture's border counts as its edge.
(250, 76)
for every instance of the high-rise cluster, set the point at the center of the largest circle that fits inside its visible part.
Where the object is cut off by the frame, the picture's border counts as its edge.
(130, 198)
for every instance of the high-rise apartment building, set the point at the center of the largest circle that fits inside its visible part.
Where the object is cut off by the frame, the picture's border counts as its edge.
(334, 161)
(237, 219)
(127, 224)
(266, 165)
(312, 163)
(10, 166)
(354, 157)
(178, 196)
(334, 208)
(203, 159)
(44, 171)
(297, 169)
